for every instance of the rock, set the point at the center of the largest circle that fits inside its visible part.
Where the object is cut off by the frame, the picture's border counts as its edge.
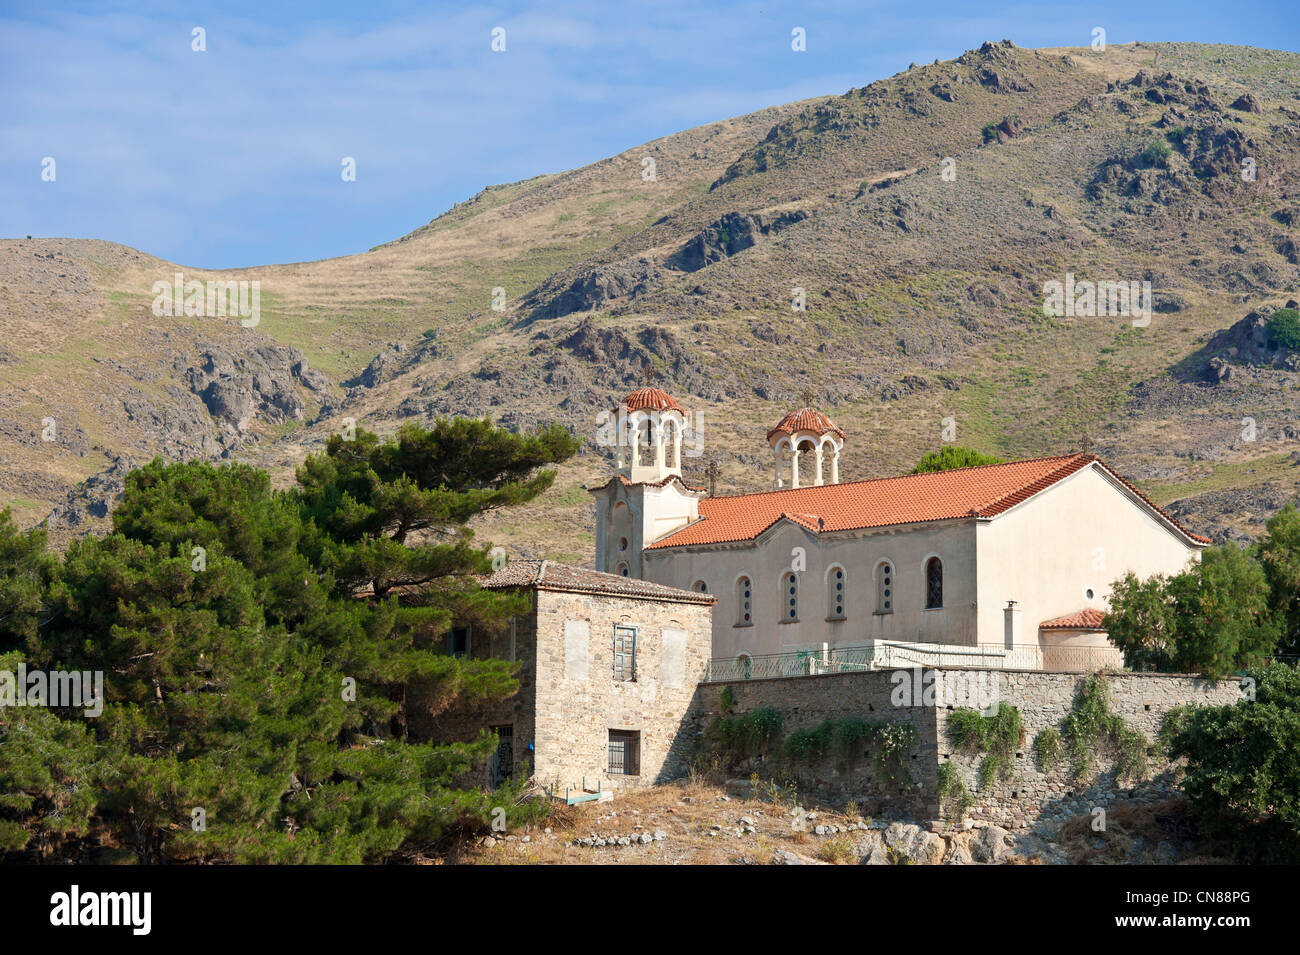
(1247, 103)
(568, 292)
(385, 366)
(660, 835)
(487, 842)
(915, 844)
(731, 234)
(991, 844)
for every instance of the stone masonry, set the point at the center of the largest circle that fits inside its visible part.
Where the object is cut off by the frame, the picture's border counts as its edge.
(569, 699)
(1042, 698)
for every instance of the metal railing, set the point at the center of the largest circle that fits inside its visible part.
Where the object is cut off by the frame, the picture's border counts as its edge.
(892, 656)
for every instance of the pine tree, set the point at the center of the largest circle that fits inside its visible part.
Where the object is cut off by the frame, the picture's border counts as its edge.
(257, 646)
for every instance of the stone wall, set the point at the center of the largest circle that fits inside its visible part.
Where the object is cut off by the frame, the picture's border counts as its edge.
(1042, 698)
(568, 699)
(579, 701)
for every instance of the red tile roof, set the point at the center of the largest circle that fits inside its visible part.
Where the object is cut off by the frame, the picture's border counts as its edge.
(651, 398)
(1080, 620)
(550, 575)
(662, 482)
(983, 491)
(806, 419)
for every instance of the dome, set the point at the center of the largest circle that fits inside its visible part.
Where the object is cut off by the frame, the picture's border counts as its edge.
(806, 419)
(652, 399)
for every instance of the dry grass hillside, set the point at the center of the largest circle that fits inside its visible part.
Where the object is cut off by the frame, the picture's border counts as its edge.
(923, 297)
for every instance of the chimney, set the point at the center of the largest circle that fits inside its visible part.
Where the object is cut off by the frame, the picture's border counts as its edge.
(1011, 635)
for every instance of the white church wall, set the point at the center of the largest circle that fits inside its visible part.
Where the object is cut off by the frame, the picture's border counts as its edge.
(767, 561)
(1081, 534)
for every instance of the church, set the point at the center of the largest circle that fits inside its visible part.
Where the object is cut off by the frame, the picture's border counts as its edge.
(1012, 562)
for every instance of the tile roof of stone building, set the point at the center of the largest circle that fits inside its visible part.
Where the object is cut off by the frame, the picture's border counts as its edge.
(984, 491)
(1088, 619)
(553, 576)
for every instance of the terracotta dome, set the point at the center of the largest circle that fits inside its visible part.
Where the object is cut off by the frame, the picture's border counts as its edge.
(652, 399)
(806, 419)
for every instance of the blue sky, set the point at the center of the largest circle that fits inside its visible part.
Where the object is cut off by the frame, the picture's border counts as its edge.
(232, 156)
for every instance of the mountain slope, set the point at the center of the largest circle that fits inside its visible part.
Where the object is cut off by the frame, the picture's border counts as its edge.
(923, 294)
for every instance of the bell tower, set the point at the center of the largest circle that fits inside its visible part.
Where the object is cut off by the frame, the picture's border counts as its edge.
(805, 437)
(646, 498)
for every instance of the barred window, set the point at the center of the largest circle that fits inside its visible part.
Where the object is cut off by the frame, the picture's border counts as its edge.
(625, 752)
(625, 654)
(933, 583)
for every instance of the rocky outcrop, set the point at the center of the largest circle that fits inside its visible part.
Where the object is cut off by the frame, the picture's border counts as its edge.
(1247, 103)
(1249, 342)
(93, 499)
(591, 288)
(261, 382)
(731, 234)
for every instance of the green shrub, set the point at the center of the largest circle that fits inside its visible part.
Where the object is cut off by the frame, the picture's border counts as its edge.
(1047, 747)
(893, 743)
(1090, 726)
(809, 745)
(1242, 774)
(1156, 153)
(954, 798)
(989, 132)
(953, 456)
(747, 734)
(995, 736)
(1284, 328)
(726, 699)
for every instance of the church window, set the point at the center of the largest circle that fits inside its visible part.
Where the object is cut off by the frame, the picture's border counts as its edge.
(700, 587)
(790, 595)
(623, 570)
(835, 593)
(933, 583)
(885, 588)
(744, 602)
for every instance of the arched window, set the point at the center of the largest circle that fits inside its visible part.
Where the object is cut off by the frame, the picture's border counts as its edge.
(885, 588)
(744, 603)
(700, 587)
(835, 593)
(622, 570)
(933, 583)
(790, 595)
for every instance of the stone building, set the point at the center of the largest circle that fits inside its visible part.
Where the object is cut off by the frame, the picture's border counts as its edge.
(608, 675)
(1012, 560)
